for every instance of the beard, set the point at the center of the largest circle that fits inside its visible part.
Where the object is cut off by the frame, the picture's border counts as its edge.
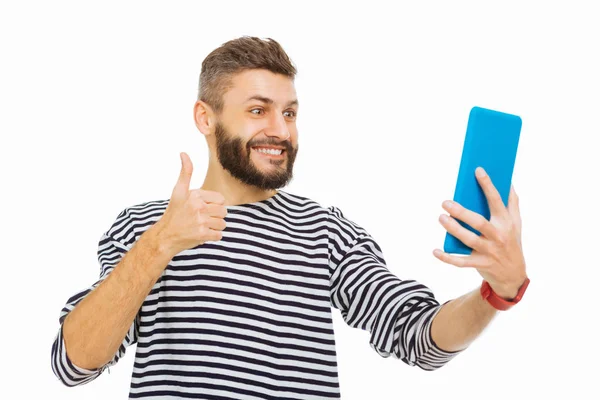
(234, 157)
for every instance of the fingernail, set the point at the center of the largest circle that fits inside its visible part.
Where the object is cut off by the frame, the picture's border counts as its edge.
(437, 252)
(448, 204)
(479, 172)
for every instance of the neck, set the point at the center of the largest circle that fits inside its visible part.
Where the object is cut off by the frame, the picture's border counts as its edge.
(235, 192)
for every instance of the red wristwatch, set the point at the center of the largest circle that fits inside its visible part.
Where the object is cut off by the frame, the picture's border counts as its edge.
(498, 302)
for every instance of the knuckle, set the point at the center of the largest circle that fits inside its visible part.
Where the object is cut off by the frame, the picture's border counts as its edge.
(472, 241)
(513, 228)
(503, 238)
(200, 193)
(496, 256)
(196, 194)
(202, 220)
(220, 211)
(468, 240)
(218, 224)
(201, 206)
(458, 213)
(510, 225)
(480, 225)
(518, 223)
(452, 221)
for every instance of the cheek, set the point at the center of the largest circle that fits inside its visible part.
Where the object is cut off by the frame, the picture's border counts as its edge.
(251, 129)
(293, 129)
(294, 137)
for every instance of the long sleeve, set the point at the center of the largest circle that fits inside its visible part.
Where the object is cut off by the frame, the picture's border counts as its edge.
(112, 245)
(397, 313)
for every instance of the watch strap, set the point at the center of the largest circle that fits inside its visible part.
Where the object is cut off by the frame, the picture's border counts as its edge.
(498, 302)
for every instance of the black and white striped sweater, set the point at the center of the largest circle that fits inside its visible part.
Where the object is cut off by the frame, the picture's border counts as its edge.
(249, 316)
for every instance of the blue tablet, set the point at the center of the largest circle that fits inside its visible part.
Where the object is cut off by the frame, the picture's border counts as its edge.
(491, 142)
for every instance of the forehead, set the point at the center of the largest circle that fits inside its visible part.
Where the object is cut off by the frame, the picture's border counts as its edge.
(262, 83)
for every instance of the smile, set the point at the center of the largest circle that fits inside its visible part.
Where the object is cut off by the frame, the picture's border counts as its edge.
(269, 152)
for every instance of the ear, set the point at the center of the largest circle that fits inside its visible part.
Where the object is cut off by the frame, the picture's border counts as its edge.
(203, 117)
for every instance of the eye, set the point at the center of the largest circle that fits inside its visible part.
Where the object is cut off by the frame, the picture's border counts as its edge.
(290, 113)
(260, 110)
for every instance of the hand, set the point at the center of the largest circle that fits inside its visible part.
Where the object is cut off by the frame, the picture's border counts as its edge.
(497, 253)
(192, 217)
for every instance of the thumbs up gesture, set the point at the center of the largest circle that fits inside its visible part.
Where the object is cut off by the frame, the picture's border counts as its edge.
(192, 217)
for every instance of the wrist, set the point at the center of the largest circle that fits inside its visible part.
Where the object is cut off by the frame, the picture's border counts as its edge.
(161, 241)
(509, 292)
(496, 297)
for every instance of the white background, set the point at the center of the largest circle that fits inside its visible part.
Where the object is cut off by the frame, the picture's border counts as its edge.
(96, 104)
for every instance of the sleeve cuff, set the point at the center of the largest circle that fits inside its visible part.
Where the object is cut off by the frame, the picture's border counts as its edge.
(69, 373)
(434, 356)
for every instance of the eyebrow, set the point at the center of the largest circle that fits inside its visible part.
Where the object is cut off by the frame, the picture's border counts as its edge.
(267, 100)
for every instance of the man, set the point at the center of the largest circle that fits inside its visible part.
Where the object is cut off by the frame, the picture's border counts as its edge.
(227, 289)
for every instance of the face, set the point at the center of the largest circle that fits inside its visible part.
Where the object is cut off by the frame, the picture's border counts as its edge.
(256, 135)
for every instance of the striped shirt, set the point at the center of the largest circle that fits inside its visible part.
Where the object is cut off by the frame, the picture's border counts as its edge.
(249, 316)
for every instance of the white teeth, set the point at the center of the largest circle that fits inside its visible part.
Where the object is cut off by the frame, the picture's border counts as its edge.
(270, 151)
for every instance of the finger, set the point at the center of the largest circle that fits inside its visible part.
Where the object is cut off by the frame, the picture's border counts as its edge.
(185, 175)
(494, 199)
(458, 261)
(513, 202)
(216, 224)
(208, 196)
(514, 209)
(466, 236)
(213, 235)
(471, 218)
(216, 210)
(471, 261)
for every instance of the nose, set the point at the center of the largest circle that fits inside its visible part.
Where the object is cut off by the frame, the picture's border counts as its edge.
(278, 128)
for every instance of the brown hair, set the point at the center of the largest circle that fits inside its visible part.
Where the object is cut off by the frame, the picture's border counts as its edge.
(235, 56)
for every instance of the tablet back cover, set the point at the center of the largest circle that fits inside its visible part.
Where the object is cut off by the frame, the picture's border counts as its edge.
(491, 142)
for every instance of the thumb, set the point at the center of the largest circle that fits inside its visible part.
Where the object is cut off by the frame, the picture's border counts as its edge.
(185, 175)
